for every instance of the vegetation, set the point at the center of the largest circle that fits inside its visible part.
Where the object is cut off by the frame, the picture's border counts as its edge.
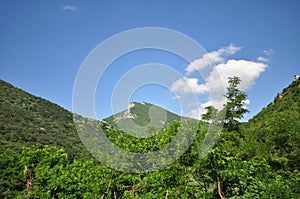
(44, 158)
(140, 115)
(233, 110)
(26, 120)
(235, 105)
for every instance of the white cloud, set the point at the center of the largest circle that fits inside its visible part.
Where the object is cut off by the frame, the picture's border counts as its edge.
(229, 50)
(210, 58)
(198, 111)
(69, 8)
(247, 71)
(207, 59)
(247, 101)
(216, 82)
(188, 85)
(268, 52)
(262, 59)
(217, 79)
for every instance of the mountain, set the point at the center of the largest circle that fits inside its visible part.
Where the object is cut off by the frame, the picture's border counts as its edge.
(261, 160)
(286, 103)
(30, 121)
(278, 127)
(27, 120)
(140, 115)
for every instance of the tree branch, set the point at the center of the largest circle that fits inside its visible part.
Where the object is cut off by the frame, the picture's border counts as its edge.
(221, 194)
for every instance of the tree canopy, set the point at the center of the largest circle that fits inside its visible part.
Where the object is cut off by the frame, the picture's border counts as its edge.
(235, 105)
(262, 163)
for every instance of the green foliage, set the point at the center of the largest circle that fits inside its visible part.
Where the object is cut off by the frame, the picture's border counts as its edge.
(211, 115)
(49, 175)
(26, 120)
(11, 181)
(278, 126)
(143, 145)
(235, 105)
(233, 110)
(141, 115)
(260, 160)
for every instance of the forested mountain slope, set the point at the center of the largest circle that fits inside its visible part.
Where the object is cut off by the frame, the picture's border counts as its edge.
(258, 160)
(27, 120)
(144, 114)
(285, 103)
(278, 127)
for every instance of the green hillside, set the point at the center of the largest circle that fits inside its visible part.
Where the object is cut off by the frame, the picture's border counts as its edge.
(278, 127)
(144, 114)
(27, 120)
(43, 157)
(286, 103)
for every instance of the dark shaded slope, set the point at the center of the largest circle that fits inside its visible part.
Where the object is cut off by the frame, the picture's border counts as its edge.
(27, 120)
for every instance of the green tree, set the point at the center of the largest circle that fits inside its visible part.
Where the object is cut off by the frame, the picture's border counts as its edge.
(211, 115)
(235, 105)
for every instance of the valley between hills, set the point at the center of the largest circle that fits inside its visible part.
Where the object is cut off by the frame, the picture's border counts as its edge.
(43, 156)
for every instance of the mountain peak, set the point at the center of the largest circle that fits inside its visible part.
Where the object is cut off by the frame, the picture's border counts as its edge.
(125, 114)
(143, 114)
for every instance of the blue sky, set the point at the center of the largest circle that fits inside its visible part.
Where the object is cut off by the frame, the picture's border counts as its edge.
(43, 44)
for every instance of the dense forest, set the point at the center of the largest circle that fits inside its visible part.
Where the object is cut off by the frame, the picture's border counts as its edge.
(43, 156)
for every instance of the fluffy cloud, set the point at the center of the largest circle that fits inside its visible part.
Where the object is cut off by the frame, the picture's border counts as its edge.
(214, 57)
(216, 82)
(267, 53)
(69, 8)
(198, 111)
(247, 71)
(217, 79)
(218, 103)
(188, 85)
(262, 59)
